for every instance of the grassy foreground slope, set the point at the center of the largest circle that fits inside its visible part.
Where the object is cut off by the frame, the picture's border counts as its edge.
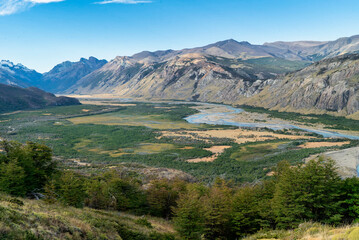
(310, 231)
(31, 219)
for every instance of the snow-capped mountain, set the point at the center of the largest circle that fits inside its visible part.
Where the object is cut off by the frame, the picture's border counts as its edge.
(18, 75)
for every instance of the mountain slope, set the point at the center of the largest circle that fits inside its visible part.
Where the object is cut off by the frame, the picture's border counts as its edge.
(66, 74)
(192, 76)
(330, 85)
(314, 51)
(23, 219)
(18, 75)
(14, 98)
(298, 50)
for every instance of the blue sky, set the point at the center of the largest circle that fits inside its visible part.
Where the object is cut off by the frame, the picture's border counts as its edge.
(43, 33)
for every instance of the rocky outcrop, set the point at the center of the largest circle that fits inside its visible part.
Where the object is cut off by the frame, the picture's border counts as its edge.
(331, 85)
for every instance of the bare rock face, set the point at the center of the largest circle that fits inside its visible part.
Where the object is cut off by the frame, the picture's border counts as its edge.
(331, 85)
(191, 76)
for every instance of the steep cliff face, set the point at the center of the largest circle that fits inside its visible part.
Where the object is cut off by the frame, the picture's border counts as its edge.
(331, 85)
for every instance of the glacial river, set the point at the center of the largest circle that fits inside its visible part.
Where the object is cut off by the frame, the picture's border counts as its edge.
(227, 117)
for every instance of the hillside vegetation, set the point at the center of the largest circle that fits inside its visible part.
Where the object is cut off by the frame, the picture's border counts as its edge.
(14, 98)
(330, 85)
(310, 231)
(221, 210)
(31, 219)
(113, 135)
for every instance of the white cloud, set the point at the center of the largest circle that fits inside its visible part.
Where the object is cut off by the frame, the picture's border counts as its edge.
(8, 7)
(45, 1)
(124, 1)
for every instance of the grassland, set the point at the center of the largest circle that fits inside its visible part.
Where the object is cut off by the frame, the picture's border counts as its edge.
(155, 135)
(310, 231)
(31, 219)
(256, 151)
(120, 119)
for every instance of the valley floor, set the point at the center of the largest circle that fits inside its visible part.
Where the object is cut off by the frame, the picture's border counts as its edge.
(117, 133)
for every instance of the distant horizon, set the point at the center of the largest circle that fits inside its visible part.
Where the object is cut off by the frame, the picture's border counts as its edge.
(42, 33)
(170, 49)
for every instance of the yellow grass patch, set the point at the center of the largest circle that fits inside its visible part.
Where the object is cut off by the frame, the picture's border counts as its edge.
(354, 116)
(149, 148)
(151, 121)
(253, 151)
(79, 163)
(322, 144)
(144, 148)
(107, 103)
(217, 150)
(101, 96)
(238, 135)
(187, 148)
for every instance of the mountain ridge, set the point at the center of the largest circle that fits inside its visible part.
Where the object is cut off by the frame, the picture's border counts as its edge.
(13, 98)
(63, 75)
(226, 71)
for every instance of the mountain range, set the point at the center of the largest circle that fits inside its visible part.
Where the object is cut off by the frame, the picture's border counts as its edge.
(293, 76)
(18, 75)
(58, 79)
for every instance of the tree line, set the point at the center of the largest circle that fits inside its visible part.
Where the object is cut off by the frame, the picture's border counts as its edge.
(223, 210)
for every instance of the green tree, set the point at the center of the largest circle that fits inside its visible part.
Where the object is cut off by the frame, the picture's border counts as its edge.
(309, 192)
(189, 214)
(350, 199)
(71, 189)
(98, 195)
(34, 160)
(246, 212)
(12, 179)
(162, 196)
(127, 196)
(218, 211)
